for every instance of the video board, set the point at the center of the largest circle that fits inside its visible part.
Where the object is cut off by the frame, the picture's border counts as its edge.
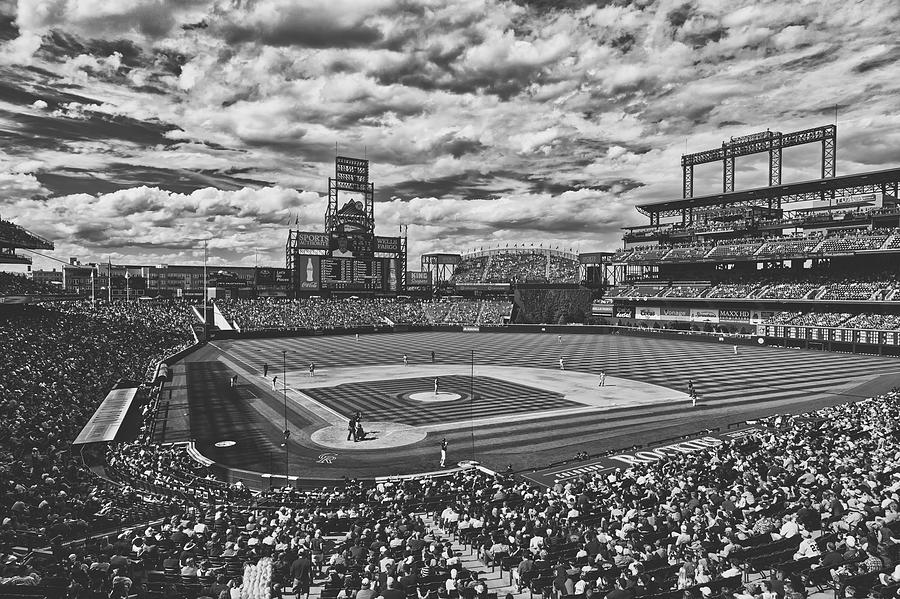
(351, 245)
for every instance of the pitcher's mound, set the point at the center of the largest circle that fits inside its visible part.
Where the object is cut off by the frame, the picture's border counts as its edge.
(439, 396)
(379, 435)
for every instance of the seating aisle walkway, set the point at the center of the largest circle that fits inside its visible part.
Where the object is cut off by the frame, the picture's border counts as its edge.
(499, 582)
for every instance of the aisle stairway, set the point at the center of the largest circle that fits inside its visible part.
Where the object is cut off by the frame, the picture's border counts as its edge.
(499, 580)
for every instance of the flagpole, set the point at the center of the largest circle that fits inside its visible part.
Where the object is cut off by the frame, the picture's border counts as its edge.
(205, 284)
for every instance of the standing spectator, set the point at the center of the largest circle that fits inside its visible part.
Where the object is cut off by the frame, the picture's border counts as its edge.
(301, 571)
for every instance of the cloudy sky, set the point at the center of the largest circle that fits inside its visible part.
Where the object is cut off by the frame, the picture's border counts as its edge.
(136, 128)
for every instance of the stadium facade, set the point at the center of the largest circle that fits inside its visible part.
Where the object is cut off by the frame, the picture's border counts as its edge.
(812, 263)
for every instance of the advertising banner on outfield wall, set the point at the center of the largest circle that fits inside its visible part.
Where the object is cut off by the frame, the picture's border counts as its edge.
(676, 314)
(704, 315)
(624, 311)
(601, 309)
(645, 456)
(647, 313)
(734, 315)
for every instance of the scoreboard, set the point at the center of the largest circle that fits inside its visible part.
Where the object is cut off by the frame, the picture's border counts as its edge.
(364, 275)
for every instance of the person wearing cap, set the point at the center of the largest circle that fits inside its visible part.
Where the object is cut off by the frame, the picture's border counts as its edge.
(365, 591)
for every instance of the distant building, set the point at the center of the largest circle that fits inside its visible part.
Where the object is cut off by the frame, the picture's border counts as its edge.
(47, 277)
(163, 280)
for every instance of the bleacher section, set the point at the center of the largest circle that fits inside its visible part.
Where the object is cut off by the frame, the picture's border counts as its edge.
(470, 270)
(16, 284)
(319, 314)
(845, 290)
(12, 235)
(726, 250)
(834, 244)
(517, 266)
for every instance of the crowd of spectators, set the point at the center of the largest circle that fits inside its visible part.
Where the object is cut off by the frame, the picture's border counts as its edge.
(778, 286)
(60, 360)
(686, 291)
(787, 291)
(17, 284)
(494, 312)
(852, 291)
(845, 320)
(782, 317)
(775, 247)
(853, 242)
(562, 270)
(12, 235)
(879, 322)
(790, 246)
(813, 499)
(734, 290)
(517, 266)
(686, 252)
(737, 249)
(811, 319)
(317, 313)
(470, 270)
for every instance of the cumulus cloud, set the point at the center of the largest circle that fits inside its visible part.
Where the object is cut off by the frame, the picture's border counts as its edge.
(149, 220)
(483, 119)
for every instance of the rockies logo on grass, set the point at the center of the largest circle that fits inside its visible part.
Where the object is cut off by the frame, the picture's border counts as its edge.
(326, 458)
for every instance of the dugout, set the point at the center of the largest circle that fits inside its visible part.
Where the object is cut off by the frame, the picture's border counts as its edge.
(117, 419)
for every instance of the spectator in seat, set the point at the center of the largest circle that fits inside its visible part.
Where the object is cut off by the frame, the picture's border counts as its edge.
(808, 546)
(872, 563)
(522, 574)
(892, 578)
(620, 591)
(831, 558)
(190, 567)
(393, 592)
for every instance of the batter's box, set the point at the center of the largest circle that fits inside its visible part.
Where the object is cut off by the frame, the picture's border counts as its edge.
(408, 400)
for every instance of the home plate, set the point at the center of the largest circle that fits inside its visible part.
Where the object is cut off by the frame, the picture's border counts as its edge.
(379, 435)
(430, 396)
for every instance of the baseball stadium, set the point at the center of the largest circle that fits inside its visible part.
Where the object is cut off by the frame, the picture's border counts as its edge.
(712, 406)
